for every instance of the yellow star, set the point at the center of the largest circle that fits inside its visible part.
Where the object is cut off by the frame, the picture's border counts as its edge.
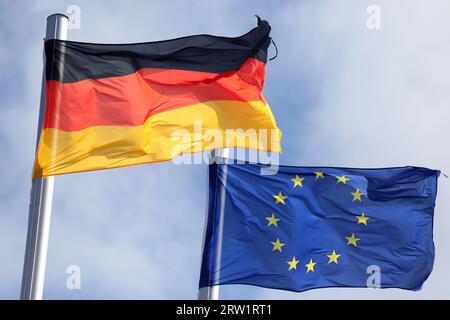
(310, 266)
(272, 220)
(342, 179)
(319, 175)
(352, 240)
(298, 181)
(333, 257)
(293, 264)
(280, 198)
(357, 195)
(277, 245)
(362, 219)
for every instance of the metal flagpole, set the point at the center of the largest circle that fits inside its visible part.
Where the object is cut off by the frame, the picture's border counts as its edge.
(212, 293)
(41, 196)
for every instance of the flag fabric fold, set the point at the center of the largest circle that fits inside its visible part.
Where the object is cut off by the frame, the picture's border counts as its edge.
(114, 105)
(313, 227)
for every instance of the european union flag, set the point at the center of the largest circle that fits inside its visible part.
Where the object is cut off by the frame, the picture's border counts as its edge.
(315, 227)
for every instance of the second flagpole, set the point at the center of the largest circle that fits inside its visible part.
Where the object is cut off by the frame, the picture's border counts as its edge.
(212, 292)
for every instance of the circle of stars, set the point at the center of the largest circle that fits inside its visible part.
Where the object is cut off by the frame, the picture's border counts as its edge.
(333, 257)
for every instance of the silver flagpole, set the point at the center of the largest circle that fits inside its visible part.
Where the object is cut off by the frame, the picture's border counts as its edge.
(41, 196)
(212, 293)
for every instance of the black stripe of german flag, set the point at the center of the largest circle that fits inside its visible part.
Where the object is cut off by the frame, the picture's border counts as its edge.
(114, 105)
(203, 53)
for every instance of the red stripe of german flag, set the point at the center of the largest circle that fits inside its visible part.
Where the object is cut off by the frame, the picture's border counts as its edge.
(145, 93)
(110, 106)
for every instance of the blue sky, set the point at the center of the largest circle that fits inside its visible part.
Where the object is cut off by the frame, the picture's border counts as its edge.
(343, 95)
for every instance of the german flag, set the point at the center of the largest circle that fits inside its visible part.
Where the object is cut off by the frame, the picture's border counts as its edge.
(115, 105)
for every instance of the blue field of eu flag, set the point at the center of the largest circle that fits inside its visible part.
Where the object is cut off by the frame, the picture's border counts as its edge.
(315, 227)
